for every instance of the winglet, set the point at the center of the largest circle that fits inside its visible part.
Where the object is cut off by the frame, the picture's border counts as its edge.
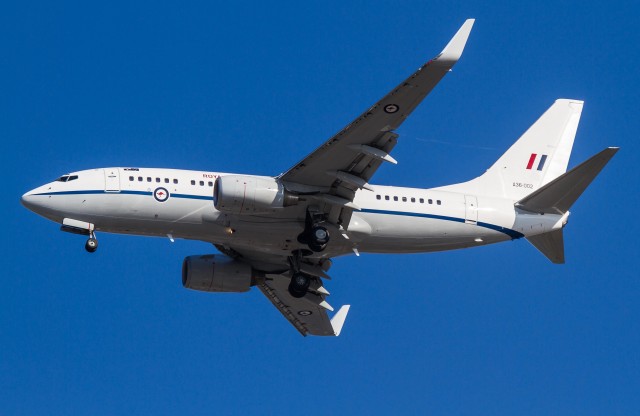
(338, 319)
(452, 52)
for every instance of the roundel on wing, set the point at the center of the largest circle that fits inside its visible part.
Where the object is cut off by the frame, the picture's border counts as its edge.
(161, 194)
(391, 108)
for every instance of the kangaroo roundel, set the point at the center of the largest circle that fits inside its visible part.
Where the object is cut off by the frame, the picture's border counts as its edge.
(161, 194)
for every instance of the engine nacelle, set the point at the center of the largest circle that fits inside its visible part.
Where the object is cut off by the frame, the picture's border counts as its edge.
(240, 194)
(215, 273)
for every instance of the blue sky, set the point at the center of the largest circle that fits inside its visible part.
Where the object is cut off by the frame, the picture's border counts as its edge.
(252, 88)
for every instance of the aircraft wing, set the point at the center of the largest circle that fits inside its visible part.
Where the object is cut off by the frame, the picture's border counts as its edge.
(347, 161)
(307, 314)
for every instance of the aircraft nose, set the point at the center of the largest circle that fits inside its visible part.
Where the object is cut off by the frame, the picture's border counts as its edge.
(27, 200)
(32, 201)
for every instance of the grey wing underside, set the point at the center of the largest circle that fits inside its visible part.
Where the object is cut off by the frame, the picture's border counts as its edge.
(307, 314)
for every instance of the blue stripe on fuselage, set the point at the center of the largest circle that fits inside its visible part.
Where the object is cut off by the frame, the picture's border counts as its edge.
(511, 233)
(144, 193)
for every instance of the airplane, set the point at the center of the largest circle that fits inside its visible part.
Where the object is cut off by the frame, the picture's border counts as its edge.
(279, 233)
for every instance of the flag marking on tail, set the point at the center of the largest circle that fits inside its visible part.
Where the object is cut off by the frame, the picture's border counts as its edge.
(542, 160)
(532, 160)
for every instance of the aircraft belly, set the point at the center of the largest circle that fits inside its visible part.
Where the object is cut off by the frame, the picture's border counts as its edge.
(405, 234)
(195, 220)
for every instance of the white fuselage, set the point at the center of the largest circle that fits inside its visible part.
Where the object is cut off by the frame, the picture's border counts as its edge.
(179, 204)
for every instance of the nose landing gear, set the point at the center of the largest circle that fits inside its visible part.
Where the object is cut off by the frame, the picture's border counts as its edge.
(72, 226)
(92, 243)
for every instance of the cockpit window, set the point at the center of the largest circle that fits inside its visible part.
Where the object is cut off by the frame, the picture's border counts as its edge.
(67, 178)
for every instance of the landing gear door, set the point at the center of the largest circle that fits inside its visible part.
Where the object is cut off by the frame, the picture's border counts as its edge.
(111, 180)
(471, 209)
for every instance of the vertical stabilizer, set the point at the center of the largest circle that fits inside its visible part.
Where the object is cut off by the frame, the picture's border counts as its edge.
(539, 156)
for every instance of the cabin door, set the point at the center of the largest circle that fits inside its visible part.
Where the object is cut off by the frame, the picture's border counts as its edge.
(471, 209)
(111, 180)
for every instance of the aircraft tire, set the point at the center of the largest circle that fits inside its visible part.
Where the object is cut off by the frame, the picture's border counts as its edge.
(91, 245)
(319, 236)
(299, 285)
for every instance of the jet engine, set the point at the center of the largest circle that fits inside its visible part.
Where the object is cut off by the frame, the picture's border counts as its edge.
(240, 194)
(215, 273)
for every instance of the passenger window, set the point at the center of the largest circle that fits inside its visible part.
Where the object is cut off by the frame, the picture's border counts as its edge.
(413, 200)
(166, 180)
(158, 180)
(378, 197)
(210, 183)
(438, 202)
(201, 183)
(386, 197)
(431, 201)
(148, 179)
(193, 182)
(175, 181)
(395, 198)
(139, 178)
(404, 199)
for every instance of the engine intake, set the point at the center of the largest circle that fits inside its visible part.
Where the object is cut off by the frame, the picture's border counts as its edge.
(215, 273)
(240, 194)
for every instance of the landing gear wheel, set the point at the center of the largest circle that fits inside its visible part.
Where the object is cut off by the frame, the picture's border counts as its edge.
(299, 284)
(91, 245)
(315, 236)
(319, 236)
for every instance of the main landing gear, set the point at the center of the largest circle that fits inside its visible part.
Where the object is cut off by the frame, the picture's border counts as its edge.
(306, 275)
(92, 243)
(299, 284)
(314, 235)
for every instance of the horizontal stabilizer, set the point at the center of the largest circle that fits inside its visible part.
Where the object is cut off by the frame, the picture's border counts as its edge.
(550, 244)
(557, 196)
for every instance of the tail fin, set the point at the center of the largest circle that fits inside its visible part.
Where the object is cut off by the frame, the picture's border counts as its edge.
(539, 156)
